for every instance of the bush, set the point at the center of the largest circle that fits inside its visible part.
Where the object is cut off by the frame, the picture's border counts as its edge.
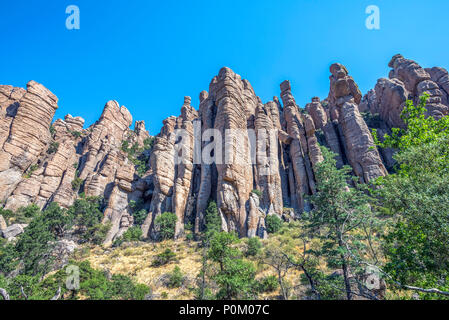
(125, 146)
(176, 278)
(257, 192)
(30, 171)
(132, 234)
(253, 247)
(76, 184)
(97, 234)
(138, 156)
(273, 223)
(52, 131)
(212, 220)
(164, 258)
(53, 148)
(166, 223)
(140, 216)
(94, 285)
(268, 284)
(25, 214)
(76, 134)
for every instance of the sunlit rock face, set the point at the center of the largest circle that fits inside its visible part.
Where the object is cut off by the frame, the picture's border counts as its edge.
(252, 158)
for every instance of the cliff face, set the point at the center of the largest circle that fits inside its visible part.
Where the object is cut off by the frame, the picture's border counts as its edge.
(231, 146)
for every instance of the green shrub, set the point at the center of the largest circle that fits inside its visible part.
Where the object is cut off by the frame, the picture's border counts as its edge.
(137, 156)
(76, 134)
(273, 223)
(138, 212)
(53, 148)
(26, 214)
(166, 223)
(132, 234)
(52, 131)
(148, 143)
(176, 278)
(212, 220)
(164, 258)
(93, 285)
(125, 146)
(30, 171)
(97, 234)
(257, 192)
(268, 284)
(76, 184)
(253, 247)
(140, 216)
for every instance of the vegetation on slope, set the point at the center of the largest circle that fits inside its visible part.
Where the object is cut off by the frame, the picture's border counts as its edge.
(383, 241)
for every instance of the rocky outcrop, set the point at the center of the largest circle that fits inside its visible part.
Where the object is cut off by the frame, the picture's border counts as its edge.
(321, 119)
(13, 231)
(302, 146)
(355, 136)
(163, 171)
(408, 80)
(26, 118)
(253, 159)
(43, 162)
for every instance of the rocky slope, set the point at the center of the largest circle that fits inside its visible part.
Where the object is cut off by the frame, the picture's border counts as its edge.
(231, 146)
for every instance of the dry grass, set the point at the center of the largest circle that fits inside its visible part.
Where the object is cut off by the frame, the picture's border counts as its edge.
(135, 260)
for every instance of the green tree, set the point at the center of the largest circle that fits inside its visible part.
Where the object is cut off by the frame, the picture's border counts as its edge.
(212, 226)
(253, 247)
(417, 200)
(273, 223)
(132, 234)
(175, 278)
(268, 284)
(340, 211)
(165, 224)
(235, 276)
(9, 258)
(86, 215)
(212, 220)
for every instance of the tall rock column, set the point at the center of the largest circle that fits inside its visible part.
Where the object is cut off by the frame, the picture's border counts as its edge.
(28, 135)
(322, 122)
(360, 149)
(184, 168)
(304, 180)
(236, 102)
(163, 167)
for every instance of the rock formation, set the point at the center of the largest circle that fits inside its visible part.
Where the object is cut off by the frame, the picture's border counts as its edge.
(40, 161)
(253, 158)
(408, 80)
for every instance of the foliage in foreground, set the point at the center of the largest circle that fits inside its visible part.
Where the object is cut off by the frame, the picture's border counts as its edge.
(93, 285)
(417, 199)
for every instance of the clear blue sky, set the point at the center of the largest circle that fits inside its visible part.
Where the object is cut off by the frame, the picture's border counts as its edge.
(148, 55)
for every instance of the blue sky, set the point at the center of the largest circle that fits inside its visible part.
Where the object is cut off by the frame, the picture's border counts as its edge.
(148, 55)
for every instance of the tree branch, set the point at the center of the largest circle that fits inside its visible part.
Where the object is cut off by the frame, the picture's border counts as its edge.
(4, 294)
(397, 283)
(57, 296)
(23, 293)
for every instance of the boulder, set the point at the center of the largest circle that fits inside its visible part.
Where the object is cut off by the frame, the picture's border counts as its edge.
(13, 231)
